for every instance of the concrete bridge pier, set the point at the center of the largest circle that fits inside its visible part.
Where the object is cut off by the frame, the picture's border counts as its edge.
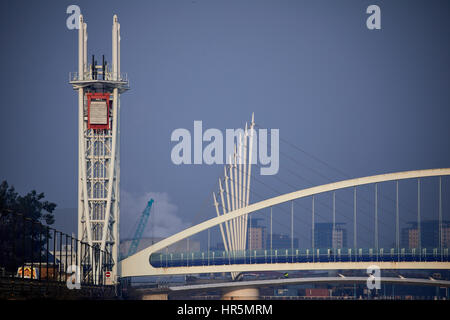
(241, 294)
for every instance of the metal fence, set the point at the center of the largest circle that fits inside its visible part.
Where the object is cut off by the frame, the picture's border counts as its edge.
(33, 252)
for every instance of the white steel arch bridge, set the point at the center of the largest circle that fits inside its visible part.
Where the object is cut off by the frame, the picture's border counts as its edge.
(139, 263)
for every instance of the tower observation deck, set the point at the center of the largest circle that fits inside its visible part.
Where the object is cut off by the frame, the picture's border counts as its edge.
(99, 87)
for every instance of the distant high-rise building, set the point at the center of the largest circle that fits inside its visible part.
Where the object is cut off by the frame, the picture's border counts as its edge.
(282, 241)
(429, 234)
(413, 238)
(219, 247)
(256, 235)
(324, 237)
(446, 236)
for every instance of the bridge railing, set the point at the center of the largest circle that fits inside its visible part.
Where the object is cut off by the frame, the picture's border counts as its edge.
(89, 76)
(305, 255)
(31, 252)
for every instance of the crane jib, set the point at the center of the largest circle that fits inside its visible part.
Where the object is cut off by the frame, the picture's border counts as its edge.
(140, 229)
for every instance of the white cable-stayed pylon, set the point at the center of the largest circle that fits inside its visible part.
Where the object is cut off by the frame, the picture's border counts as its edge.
(228, 209)
(244, 183)
(216, 204)
(237, 174)
(236, 198)
(227, 228)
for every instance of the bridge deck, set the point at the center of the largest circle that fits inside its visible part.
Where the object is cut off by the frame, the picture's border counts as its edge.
(216, 258)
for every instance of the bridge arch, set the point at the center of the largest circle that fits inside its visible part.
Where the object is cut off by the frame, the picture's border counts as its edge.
(138, 264)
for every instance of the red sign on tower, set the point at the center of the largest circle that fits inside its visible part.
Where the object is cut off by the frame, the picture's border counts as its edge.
(98, 110)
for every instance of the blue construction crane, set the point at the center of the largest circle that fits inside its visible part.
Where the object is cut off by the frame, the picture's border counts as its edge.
(140, 229)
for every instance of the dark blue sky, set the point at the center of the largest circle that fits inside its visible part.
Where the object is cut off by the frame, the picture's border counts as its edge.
(366, 102)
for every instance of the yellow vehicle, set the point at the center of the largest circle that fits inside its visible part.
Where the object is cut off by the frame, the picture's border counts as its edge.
(45, 272)
(27, 272)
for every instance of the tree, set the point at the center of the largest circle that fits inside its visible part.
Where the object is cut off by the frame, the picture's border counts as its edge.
(31, 205)
(22, 231)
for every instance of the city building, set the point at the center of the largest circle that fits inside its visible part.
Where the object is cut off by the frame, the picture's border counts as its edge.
(281, 241)
(219, 247)
(324, 237)
(429, 234)
(446, 236)
(256, 235)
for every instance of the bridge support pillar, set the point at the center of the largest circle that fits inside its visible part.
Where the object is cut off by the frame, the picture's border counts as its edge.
(241, 294)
